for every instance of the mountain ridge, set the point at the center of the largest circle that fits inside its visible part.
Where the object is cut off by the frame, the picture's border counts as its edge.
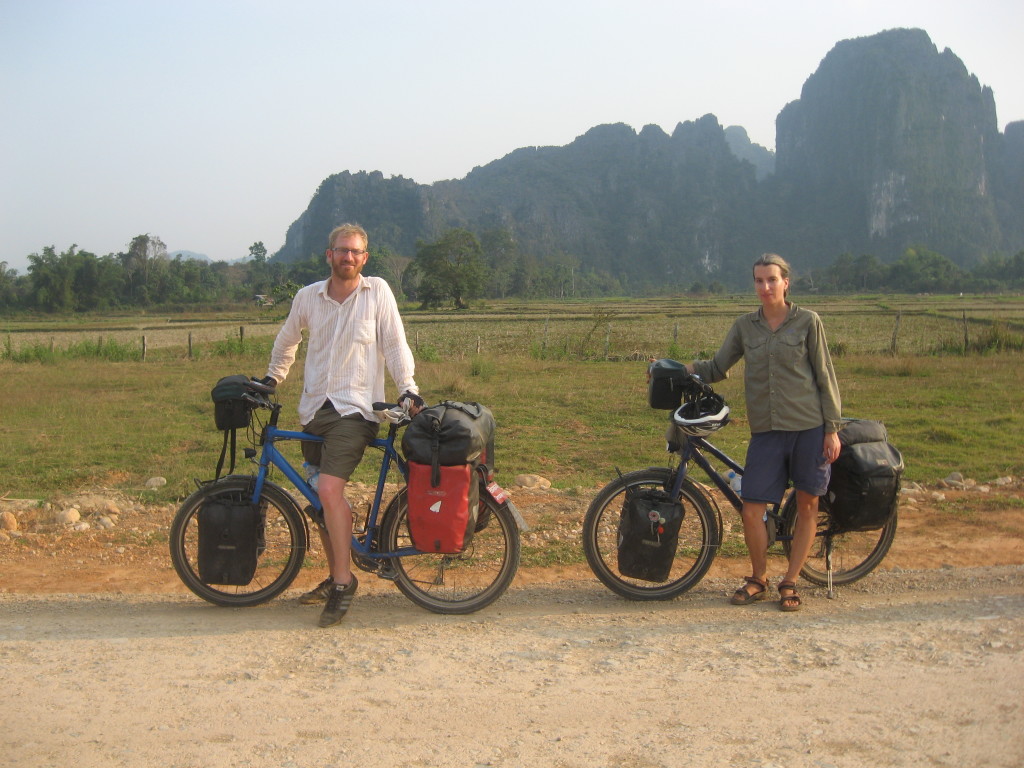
(892, 144)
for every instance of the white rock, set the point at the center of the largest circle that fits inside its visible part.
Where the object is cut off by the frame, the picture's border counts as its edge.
(82, 526)
(532, 481)
(105, 522)
(69, 516)
(156, 482)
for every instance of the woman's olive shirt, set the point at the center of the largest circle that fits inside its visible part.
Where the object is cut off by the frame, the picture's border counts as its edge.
(789, 381)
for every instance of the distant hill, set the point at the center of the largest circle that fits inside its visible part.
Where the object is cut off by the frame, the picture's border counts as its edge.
(186, 255)
(891, 144)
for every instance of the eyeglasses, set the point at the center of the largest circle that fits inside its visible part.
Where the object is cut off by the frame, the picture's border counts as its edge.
(346, 251)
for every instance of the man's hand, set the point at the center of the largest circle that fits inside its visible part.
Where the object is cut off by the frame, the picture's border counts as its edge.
(416, 402)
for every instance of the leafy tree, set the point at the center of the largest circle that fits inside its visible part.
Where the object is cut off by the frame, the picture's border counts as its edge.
(51, 280)
(919, 270)
(258, 252)
(385, 263)
(501, 253)
(9, 287)
(452, 269)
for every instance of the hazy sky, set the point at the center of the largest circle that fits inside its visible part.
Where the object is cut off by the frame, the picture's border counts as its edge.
(211, 123)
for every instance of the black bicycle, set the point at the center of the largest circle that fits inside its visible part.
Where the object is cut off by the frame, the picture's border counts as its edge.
(838, 557)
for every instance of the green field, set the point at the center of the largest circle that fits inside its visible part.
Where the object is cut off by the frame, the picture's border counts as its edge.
(565, 381)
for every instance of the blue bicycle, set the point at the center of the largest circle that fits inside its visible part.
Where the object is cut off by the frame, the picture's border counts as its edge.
(381, 543)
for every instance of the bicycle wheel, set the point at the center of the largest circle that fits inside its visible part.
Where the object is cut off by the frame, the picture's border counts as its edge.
(699, 537)
(282, 548)
(455, 584)
(854, 554)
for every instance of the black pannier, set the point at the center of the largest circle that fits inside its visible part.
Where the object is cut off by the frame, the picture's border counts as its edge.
(864, 489)
(666, 383)
(230, 535)
(451, 433)
(230, 409)
(648, 534)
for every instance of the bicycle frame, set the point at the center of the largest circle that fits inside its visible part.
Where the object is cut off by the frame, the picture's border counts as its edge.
(693, 450)
(363, 541)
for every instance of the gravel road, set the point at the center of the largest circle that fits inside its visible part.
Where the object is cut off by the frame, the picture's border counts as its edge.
(907, 668)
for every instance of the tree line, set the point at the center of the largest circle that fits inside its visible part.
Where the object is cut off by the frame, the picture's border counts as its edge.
(458, 268)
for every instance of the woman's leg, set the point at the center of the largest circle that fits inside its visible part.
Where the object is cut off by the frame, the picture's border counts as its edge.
(803, 533)
(756, 537)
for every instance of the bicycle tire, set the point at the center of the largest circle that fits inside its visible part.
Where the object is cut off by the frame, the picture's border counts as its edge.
(283, 549)
(854, 554)
(455, 584)
(699, 536)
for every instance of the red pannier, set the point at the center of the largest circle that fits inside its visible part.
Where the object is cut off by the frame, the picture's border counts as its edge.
(443, 506)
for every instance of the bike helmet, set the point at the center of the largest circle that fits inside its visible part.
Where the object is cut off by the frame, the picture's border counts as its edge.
(702, 415)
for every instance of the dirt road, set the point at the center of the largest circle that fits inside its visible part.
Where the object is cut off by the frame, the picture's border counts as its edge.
(912, 668)
(106, 661)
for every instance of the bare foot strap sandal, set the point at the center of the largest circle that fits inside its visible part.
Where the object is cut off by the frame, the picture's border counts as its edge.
(743, 596)
(790, 601)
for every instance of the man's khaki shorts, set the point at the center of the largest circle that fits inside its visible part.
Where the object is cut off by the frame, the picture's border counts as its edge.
(345, 441)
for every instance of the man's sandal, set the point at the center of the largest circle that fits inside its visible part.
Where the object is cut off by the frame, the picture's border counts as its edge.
(743, 596)
(788, 602)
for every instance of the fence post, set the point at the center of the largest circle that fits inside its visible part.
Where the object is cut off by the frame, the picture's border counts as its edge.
(967, 341)
(190, 345)
(675, 334)
(143, 347)
(544, 344)
(607, 340)
(478, 345)
(241, 338)
(894, 344)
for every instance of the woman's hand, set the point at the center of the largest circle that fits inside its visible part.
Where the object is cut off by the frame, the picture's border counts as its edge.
(831, 447)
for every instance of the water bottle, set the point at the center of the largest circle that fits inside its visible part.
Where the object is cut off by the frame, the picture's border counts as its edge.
(312, 475)
(735, 481)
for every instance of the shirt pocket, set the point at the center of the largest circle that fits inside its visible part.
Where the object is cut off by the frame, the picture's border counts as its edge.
(755, 350)
(365, 332)
(792, 348)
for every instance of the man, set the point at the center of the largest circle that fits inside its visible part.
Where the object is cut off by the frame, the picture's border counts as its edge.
(354, 332)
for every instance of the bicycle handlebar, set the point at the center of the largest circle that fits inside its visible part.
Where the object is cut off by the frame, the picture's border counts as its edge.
(393, 413)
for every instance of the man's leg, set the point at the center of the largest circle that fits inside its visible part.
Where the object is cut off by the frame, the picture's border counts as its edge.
(338, 536)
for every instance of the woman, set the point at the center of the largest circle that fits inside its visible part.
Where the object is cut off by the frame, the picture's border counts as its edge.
(794, 412)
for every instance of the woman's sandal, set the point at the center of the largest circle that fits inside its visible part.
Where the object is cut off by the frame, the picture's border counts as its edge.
(791, 601)
(744, 597)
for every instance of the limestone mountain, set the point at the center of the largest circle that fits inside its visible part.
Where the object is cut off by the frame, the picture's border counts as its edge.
(891, 144)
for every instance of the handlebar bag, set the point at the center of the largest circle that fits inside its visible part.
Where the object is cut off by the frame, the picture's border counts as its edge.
(864, 488)
(230, 537)
(443, 507)
(230, 409)
(648, 534)
(666, 384)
